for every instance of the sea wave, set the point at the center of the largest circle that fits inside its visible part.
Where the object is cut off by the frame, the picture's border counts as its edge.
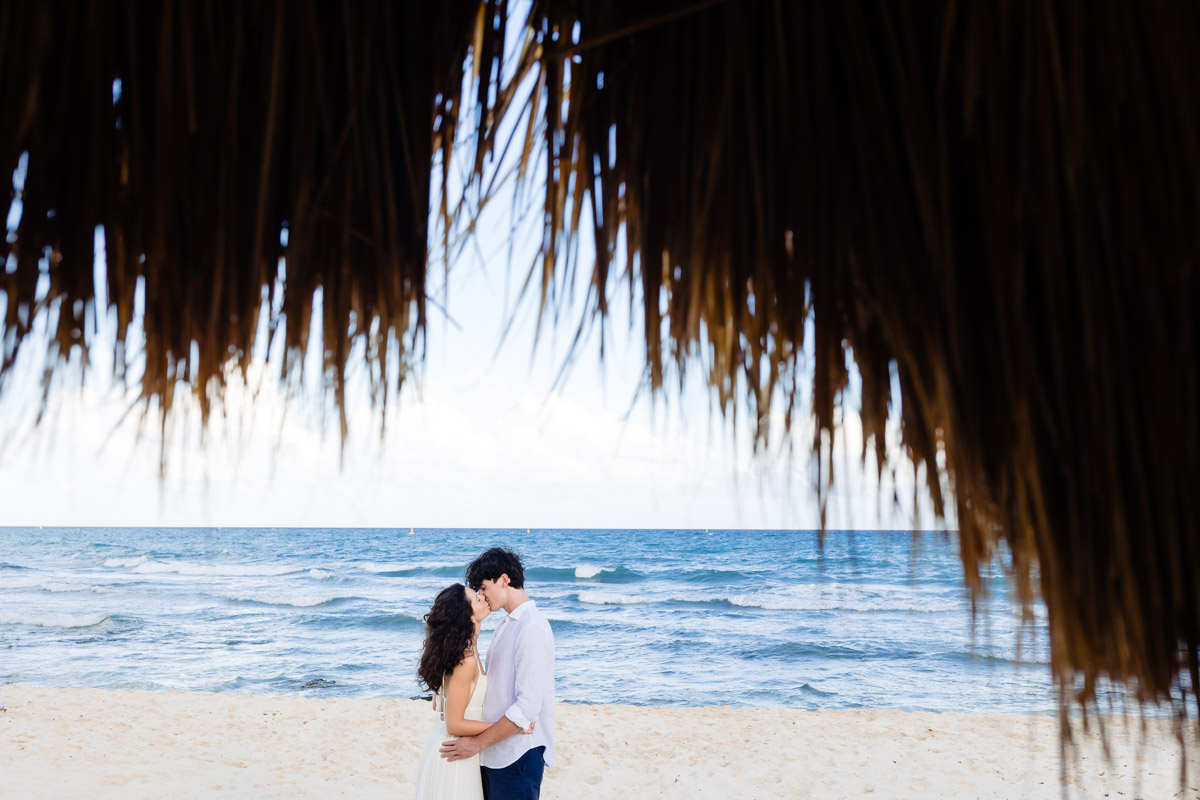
(606, 599)
(215, 570)
(817, 649)
(397, 570)
(54, 620)
(601, 574)
(553, 595)
(778, 601)
(319, 574)
(716, 575)
(57, 586)
(593, 573)
(1007, 659)
(126, 562)
(40, 583)
(341, 622)
(611, 599)
(377, 569)
(21, 583)
(293, 600)
(388, 621)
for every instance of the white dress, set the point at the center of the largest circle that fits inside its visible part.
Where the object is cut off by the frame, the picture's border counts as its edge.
(439, 779)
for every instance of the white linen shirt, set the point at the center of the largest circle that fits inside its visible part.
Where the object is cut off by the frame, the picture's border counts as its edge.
(520, 668)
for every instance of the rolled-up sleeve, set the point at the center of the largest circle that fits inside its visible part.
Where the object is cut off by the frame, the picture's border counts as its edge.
(535, 675)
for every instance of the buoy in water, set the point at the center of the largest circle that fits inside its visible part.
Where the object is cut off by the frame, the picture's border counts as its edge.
(411, 532)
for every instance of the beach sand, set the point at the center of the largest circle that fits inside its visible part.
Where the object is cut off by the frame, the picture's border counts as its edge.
(132, 744)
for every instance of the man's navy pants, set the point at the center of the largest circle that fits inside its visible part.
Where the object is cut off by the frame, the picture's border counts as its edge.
(520, 780)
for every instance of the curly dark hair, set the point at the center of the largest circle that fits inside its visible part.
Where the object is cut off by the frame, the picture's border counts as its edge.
(448, 634)
(494, 562)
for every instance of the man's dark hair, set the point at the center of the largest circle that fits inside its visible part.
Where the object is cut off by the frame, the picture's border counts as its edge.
(494, 562)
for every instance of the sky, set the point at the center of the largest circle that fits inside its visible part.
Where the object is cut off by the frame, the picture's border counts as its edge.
(484, 436)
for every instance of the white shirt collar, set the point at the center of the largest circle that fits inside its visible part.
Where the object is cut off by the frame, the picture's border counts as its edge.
(520, 610)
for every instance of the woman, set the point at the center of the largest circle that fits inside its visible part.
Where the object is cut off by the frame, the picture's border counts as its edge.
(450, 667)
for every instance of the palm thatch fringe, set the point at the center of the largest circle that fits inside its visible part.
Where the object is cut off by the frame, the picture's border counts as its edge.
(996, 203)
(210, 140)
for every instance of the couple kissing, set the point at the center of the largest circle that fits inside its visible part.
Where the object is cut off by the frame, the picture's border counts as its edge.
(493, 732)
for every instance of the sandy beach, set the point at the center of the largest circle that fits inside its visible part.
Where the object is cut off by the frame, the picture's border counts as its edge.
(132, 744)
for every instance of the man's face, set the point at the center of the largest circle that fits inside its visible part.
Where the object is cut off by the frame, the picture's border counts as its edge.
(494, 591)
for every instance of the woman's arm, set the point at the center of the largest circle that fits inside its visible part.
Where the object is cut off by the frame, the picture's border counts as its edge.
(458, 694)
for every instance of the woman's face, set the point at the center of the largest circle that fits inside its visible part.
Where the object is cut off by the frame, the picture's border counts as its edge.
(479, 606)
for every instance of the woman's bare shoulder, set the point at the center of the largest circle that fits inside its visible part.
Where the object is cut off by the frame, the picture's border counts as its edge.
(464, 667)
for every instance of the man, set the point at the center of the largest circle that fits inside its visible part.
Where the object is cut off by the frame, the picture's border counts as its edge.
(520, 693)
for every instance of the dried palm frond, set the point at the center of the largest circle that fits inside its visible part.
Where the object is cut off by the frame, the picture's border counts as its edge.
(210, 140)
(996, 203)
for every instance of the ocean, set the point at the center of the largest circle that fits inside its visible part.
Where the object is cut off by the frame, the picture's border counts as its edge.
(871, 619)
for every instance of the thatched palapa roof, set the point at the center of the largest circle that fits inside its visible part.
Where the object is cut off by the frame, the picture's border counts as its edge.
(998, 203)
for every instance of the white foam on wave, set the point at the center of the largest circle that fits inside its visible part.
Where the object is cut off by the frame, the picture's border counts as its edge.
(377, 568)
(54, 620)
(154, 568)
(605, 599)
(319, 574)
(21, 583)
(126, 562)
(215, 570)
(47, 586)
(374, 568)
(590, 570)
(56, 586)
(293, 600)
(551, 595)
